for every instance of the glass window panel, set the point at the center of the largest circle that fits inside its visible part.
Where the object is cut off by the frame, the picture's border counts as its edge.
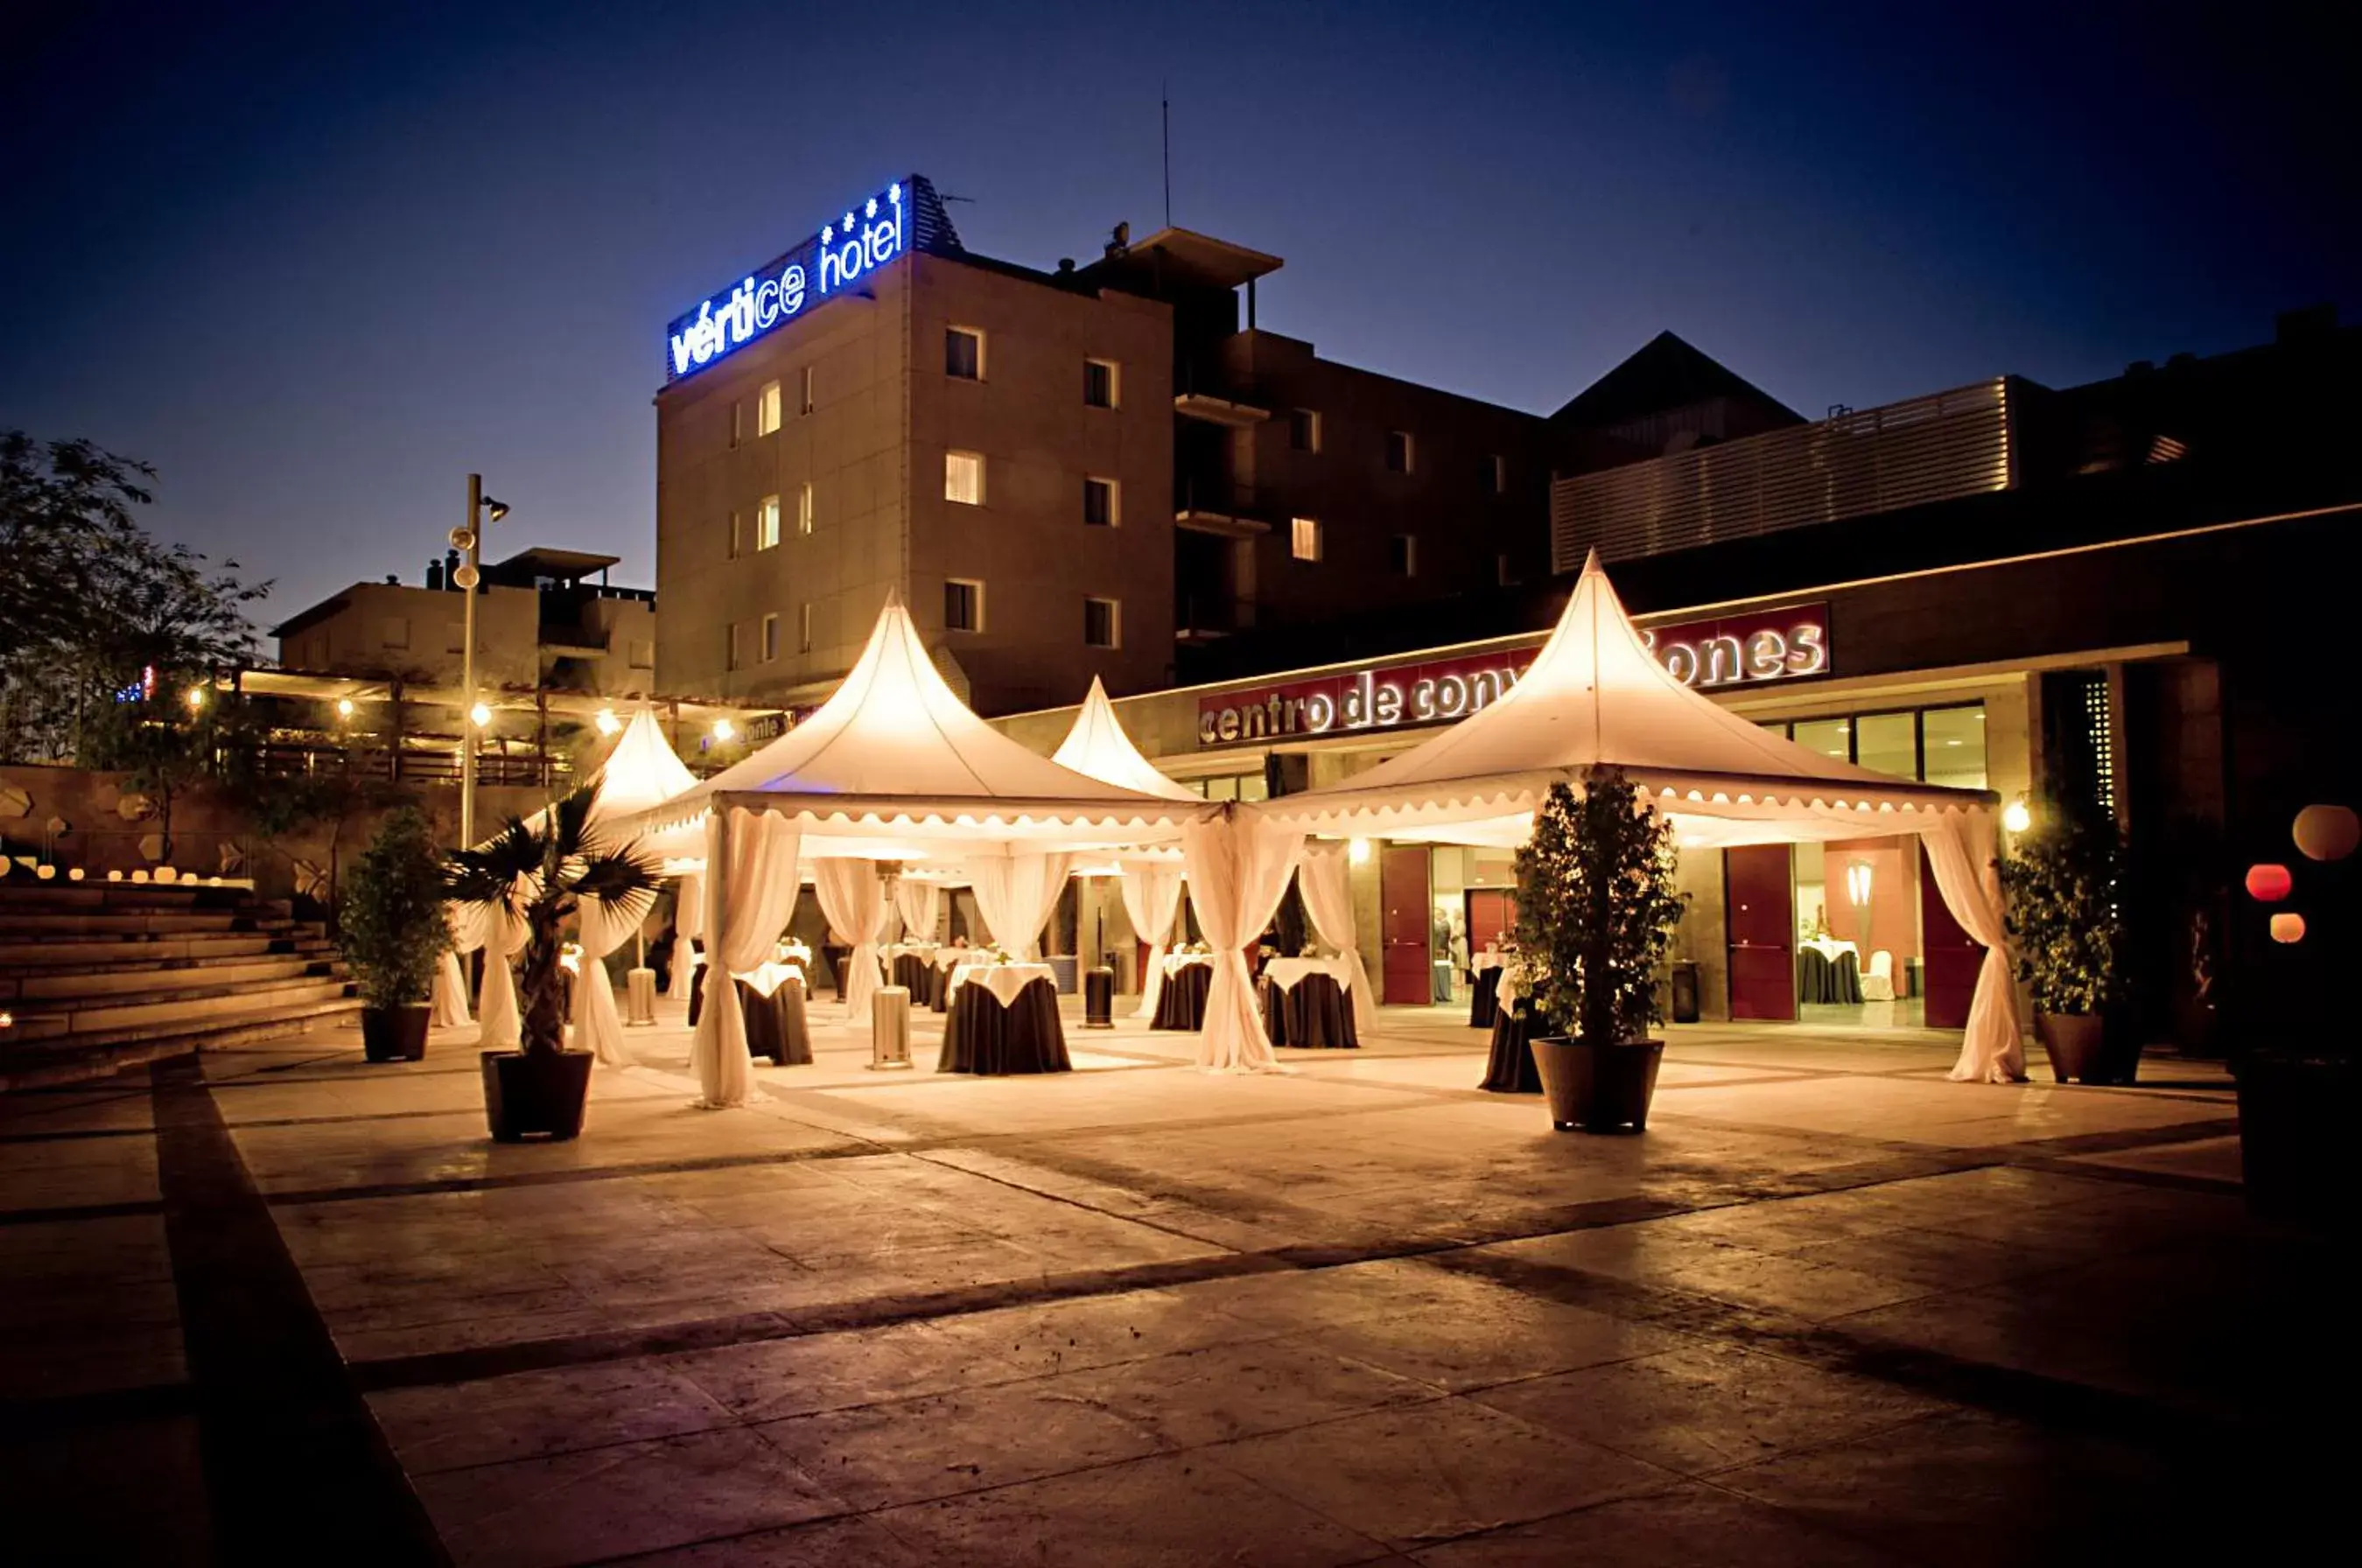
(1955, 745)
(1830, 737)
(1887, 742)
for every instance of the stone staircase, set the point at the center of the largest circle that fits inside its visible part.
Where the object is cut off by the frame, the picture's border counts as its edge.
(95, 978)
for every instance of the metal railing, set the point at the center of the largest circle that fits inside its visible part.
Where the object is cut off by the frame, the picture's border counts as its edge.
(492, 768)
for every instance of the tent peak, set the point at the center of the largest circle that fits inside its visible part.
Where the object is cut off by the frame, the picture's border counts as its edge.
(1591, 567)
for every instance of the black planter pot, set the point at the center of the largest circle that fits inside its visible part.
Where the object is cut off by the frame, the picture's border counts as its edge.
(536, 1094)
(1598, 1088)
(2296, 1116)
(394, 1034)
(2077, 1045)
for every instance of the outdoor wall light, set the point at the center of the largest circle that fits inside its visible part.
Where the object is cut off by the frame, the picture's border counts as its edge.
(495, 510)
(2268, 884)
(480, 715)
(2015, 817)
(607, 722)
(723, 729)
(2287, 926)
(1357, 850)
(1857, 879)
(344, 707)
(196, 699)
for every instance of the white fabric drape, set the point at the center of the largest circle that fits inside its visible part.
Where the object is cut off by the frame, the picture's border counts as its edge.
(919, 903)
(502, 935)
(597, 1027)
(1015, 894)
(1960, 847)
(1152, 897)
(1237, 865)
(1323, 876)
(450, 994)
(750, 891)
(688, 922)
(852, 896)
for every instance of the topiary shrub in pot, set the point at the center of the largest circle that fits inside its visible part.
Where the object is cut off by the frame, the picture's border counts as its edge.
(391, 927)
(1595, 914)
(2063, 883)
(542, 873)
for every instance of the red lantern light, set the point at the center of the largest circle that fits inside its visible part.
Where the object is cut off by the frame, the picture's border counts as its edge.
(2268, 884)
(2288, 927)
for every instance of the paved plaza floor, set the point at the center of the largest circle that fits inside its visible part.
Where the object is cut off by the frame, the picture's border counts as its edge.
(276, 1305)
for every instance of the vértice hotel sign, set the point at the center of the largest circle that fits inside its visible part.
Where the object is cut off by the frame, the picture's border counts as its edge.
(1756, 648)
(851, 246)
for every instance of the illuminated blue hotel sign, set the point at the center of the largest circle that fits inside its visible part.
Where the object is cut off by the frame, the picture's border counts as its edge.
(905, 216)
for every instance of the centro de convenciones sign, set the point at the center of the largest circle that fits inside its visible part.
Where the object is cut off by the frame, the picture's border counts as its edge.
(865, 237)
(1750, 649)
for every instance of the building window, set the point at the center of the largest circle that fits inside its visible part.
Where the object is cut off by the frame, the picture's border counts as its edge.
(1099, 383)
(804, 509)
(964, 478)
(1304, 538)
(770, 638)
(736, 641)
(1099, 503)
(737, 533)
(766, 410)
(1402, 556)
(1303, 430)
(642, 653)
(1234, 787)
(963, 606)
(804, 402)
(964, 353)
(1399, 451)
(803, 627)
(767, 523)
(395, 632)
(737, 423)
(1496, 474)
(1102, 623)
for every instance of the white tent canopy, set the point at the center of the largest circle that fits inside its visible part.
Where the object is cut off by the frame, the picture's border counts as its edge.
(1096, 748)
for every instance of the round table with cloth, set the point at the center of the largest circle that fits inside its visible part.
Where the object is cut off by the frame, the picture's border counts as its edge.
(1305, 1003)
(772, 998)
(938, 984)
(1004, 1019)
(1484, 990)
(1828, 973)
(1510, 1067)
(911, 966)
(1182, 1003)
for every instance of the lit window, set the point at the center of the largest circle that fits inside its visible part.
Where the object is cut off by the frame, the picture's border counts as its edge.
(963, 606)
(804, 404)
(964, 353)
(1102, 623)
(803, 627)
(766, 410)
(1304, 538)
(735, 642)
(804, 509)
(964, 478)
(1099, 504)
(1398, 453)
(1099, 389)
(770, 638)
(1304, 430)
(1496, 474)
(1402, 555)
(767, 524)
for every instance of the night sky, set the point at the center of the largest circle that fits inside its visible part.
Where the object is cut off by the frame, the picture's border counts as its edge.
(317, 264)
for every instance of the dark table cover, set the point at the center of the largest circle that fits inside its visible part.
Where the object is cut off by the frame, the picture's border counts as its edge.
(775, 1024)
(1510, 1068)
(696, 991)
(1182, 1003)
(1313, 1014)
(1483, 998)
(916, 973)
(1818, 979)
(981, 1037)
(939, 996)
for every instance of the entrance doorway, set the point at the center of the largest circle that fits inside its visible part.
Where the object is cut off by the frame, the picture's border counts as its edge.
(1406, 925)
(1758, 894)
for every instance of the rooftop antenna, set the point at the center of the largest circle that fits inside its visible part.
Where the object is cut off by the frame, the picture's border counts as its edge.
(1165, 108)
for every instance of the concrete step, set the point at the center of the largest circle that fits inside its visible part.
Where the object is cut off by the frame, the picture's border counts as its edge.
(120, 980)
(70, 953)
(76, 1058)
(17, 889)
(167, 1006)
(37, 924)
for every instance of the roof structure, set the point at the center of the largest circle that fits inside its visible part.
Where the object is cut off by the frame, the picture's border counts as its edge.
(641, 770)
(1664, 372)
(1096, 748)
(1595, 697)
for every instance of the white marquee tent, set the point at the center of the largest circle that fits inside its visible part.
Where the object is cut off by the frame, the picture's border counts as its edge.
(1097, 747)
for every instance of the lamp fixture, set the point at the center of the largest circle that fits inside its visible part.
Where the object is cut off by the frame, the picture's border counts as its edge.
(724, 731)
(2015, 817)
(495, 510)
(607, 722)
(196, 699)
(344, 707)
(1857, 882)
(1357, 851)
(480, 715)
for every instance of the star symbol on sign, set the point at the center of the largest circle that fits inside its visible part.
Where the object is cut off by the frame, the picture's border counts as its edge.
(871, 210)
(827, 233)
(848, 221)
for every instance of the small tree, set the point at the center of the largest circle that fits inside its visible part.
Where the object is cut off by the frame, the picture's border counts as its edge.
(542, 872)
(392, 920)
(2064, 886)
(1596, 908)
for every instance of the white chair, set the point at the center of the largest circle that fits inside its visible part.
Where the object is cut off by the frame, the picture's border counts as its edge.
(1879, 984)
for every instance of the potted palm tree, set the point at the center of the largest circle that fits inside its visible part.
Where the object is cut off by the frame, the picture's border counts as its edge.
(542, 873)
(2064, 882)
(391, 929)
(1595, 914)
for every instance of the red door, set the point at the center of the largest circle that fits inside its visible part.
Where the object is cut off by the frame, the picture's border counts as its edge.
(1761, 903)
(1491, 913)
(1948, 971)
(1404, 929)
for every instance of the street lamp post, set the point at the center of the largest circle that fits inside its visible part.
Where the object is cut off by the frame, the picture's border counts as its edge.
(469, 538)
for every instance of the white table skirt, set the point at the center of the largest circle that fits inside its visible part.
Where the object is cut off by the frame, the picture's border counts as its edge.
(1003, 981)
(1285, 972)
(769, 977)
(1833, 951)
(1176, 962)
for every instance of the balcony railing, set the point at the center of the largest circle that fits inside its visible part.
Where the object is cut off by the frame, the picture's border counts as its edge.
(492, 768)
(1218, 506)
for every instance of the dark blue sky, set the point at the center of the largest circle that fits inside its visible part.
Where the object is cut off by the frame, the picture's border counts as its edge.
(316, 263)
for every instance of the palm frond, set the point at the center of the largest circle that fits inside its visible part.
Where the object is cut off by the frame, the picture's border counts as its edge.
(488, 873)
(624, 880)
(570, 822)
